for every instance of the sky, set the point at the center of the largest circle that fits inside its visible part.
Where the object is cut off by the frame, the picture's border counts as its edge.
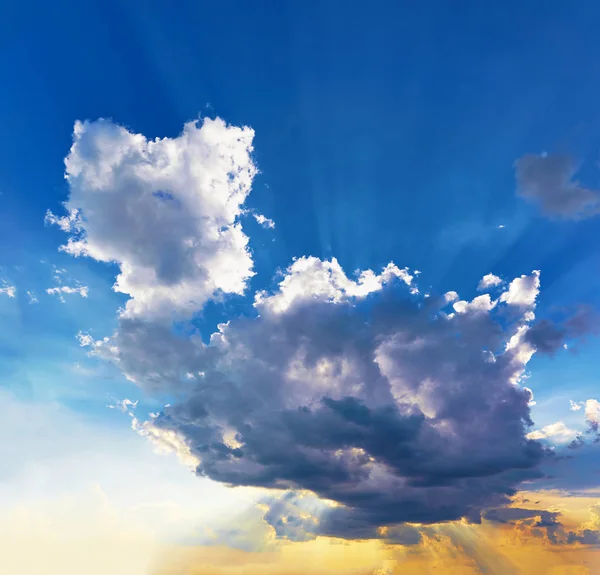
(299, 287)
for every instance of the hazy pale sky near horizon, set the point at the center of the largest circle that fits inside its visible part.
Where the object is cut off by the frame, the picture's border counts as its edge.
(299, 283)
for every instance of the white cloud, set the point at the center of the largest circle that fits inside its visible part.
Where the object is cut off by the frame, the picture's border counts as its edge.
(555, 432)
(310, 278)
(85, 340)
(576, 405)
(32, 297)
(592, 412)
(65, 223)
(264, 221)
(7, 289)
(489, 281)
(482, 303)
(166, 441)
(523, 291)
(165, 210)
(450, 296)
(61, 291)
(124, 405)
(523, 350)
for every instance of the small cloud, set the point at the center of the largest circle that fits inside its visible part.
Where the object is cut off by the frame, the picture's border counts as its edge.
(501, 226)
(32, 297)
(489, 281)
(576, 405)
(264, 221)
(548, 181)
(7, 289)
(85, 339)
(61, 291)
(124, 405)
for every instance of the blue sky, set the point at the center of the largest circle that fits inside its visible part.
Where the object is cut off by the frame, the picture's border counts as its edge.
(381, 134)
(384, 132)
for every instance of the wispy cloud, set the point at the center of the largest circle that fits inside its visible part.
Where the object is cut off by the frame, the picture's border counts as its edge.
(7, 289)
(61, 291)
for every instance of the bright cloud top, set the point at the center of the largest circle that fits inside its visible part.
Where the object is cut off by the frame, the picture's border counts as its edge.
(166, 211)
(310, 278)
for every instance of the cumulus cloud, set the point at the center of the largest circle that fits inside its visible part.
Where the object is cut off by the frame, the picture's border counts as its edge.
(7, 289)
(489, 281)
(523, 291)
(548, 181)
(359, 390)
(355, 390)
(165, 210)
(450, 296)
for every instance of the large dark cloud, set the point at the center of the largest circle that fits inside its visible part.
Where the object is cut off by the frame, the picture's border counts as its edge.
(391, 406)
(548, 181)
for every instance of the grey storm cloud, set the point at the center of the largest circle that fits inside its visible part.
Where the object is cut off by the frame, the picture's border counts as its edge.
(548, 181)
(389, 406)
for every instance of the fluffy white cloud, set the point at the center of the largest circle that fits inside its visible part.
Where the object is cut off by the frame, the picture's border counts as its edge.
(523, 291)
(482, 303)
(450, 296)
(555, 432)
(165, 210)
(576, 405)
(489, 281)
